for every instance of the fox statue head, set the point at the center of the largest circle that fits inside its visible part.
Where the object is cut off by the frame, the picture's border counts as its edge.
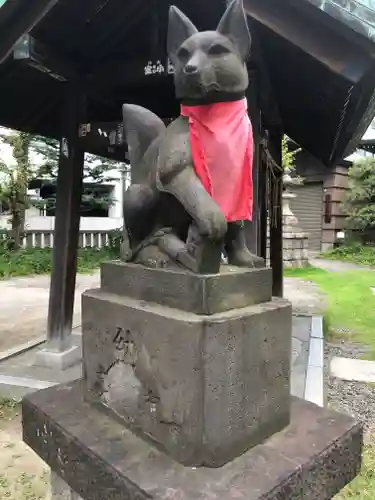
(210, 65)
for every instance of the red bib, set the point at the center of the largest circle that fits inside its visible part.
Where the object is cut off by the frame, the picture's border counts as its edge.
(221, 141)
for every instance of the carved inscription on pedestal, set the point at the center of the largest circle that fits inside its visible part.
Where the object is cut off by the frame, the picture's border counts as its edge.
(125, 345)
(118, 380)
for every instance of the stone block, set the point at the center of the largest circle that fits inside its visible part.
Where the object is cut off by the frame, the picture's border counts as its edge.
(287, 243)
(288, 255)
(203, 388)
(313, 458)
(202, 294)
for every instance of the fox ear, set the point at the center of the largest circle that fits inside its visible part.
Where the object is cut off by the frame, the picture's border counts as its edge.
(180, 28)
(234, 26)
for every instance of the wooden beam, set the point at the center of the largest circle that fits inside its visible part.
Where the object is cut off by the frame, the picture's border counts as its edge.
(104, 139)
(18, 17)
(130, 72)
(133, 72)
(30, 51)
(267, 99)
(66, 235)
(37, 55)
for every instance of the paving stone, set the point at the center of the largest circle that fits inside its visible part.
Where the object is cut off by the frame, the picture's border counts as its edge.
(353, 369)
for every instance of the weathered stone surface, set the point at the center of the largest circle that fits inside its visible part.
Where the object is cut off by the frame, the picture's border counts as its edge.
(60, 489)
(312, 459)
(234, 287)
(204, 388)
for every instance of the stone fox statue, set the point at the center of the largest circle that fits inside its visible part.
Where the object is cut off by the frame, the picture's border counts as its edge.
(192, 181)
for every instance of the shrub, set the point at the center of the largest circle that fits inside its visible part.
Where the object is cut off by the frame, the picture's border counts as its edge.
(115, 238)
(32, 261)
(356, 253)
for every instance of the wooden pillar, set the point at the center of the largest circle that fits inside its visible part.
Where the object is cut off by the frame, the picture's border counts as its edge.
(66, 236)
(275, 215)
(262, 206)
(253, 227)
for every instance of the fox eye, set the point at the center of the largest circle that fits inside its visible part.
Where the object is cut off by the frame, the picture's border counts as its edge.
(218, 50)
(183, 53)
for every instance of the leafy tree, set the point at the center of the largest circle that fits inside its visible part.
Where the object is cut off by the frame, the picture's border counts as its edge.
(359, 204)
(14, 183)
(289, 162)
(288, 156)
(95, 170)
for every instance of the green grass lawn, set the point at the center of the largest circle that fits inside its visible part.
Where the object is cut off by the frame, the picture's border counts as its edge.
(363, 487)
(351, 306)
(351, 303)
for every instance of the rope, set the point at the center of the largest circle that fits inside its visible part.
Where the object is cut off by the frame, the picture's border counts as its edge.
(273, 180)
(341, 122)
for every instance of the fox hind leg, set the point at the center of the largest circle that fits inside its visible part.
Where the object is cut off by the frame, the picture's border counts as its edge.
(139, 211)
(236, 248)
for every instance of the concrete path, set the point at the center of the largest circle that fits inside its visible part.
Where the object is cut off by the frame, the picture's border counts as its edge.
(358, 370)
(24, 307)
(307, 377)
(305, 296)
(337, 266)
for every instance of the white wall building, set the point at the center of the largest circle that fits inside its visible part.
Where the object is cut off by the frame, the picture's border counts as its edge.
(37, 221)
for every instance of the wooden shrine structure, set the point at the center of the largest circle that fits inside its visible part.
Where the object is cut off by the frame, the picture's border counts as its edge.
(67, 66)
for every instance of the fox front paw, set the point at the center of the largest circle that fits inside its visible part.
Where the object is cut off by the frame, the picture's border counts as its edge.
(213, 226)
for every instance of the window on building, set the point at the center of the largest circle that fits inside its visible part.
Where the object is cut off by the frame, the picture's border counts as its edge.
(327, 209)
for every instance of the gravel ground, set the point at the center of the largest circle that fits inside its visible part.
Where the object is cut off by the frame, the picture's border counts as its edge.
(355, 398)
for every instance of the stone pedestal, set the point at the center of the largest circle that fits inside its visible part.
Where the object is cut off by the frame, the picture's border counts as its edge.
(205, 379)
(186, 395)
(295, 241)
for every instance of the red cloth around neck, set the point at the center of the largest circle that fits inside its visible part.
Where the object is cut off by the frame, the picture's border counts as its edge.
(221, 140)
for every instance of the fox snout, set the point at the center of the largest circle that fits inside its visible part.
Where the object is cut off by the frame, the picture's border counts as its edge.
(192, 67)
(197, 76)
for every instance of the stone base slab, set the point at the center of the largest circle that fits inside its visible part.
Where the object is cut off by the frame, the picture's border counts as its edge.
(58, 360)
(233, 288)
(314, 458)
